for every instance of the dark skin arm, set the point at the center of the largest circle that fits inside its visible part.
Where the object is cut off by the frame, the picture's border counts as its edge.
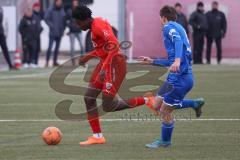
(83, 60)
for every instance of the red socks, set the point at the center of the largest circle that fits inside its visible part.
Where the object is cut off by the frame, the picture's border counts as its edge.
(94, 119)
(94, 123)
(135, 102)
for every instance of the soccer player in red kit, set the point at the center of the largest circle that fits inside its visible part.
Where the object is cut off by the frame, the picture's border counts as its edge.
(107, 76)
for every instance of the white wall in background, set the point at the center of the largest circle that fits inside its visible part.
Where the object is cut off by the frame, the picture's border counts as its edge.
(101, 8)
(10, 26)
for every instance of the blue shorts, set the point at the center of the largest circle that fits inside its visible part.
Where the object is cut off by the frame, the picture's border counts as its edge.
(176, 88)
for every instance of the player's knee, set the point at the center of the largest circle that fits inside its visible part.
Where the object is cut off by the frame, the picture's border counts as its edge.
(108, 103)
(163, 112)
(166, 116)
(107, 109)
(107, 106)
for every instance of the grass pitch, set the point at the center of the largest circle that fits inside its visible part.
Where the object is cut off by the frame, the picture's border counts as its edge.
(27, 106)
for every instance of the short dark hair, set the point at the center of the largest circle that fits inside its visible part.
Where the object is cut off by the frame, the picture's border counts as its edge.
(215, 2)
(168, 12)
(200, 4)
(178, 4)
(82, 12)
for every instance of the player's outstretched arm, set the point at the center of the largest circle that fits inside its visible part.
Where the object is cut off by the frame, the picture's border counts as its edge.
(145, 60)
(161, 62)
(83, 60)
(150, 61)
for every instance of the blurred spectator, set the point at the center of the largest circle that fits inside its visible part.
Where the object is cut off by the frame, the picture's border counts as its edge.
(29, 32)
(198, 21)
(74, 30)
(217, 27)
(38, 16)
(181, 18)
(3, 41)
(55, 19)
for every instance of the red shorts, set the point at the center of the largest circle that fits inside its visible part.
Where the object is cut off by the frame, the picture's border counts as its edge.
(118, 73)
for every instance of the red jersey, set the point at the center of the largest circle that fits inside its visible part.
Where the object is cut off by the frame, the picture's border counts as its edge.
(102, 34)
(105, 45)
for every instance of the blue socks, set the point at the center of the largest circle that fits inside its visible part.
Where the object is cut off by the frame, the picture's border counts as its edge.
(167, 130)
(188, 103)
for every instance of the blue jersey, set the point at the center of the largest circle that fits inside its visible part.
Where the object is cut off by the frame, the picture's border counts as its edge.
(177, 46)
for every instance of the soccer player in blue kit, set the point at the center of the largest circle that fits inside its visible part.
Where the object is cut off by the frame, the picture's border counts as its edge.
(180, 79)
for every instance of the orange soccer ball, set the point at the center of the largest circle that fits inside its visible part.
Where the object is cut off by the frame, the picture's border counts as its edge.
(52, 136)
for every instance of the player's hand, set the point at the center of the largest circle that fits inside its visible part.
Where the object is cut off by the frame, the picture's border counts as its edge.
(145, 60)
(102, 74)
(176, 65)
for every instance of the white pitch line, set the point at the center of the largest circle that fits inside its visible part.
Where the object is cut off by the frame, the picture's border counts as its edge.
(23, 76)
(79, 70)
(115, 120)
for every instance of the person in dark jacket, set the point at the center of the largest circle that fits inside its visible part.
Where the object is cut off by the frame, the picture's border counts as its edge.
(181, 17)
(38, 16)
(198, 21)
(28, 30)
(55, 19)
(74, 30)
(3, 43)
(217, 27)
